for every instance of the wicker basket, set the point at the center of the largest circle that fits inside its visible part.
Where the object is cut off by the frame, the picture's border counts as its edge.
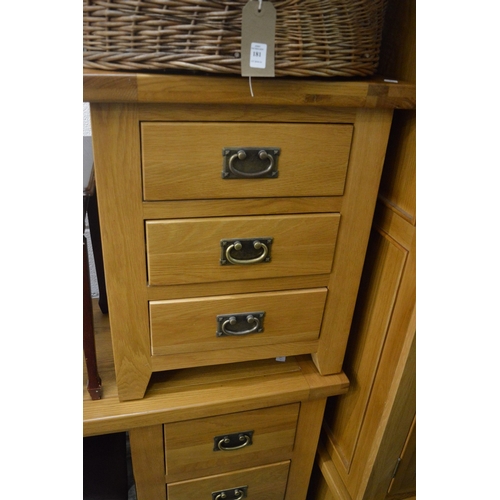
(313, 37)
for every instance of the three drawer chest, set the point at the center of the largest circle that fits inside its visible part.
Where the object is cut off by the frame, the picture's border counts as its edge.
(234, 230)
(234, 227)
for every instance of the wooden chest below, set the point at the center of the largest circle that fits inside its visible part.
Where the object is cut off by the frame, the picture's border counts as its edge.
(234, 228)
(245, 430)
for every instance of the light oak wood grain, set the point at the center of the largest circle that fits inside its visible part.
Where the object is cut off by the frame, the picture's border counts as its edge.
(245, 113)
(399, 179)
(260, 206)
(118, 182)
(308, 430)
(236, 287)
(365, 167)
(108, 86)
(314, 258)
(188, 250)
(190, 324)
(265, 483)
(147, 462)
(379, 292)
(199, 392)
(184, 160)
(233, 355)
(367, 429)
(330, 476)
(190, 451)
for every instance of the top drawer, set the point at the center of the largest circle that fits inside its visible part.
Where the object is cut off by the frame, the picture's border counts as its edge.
(183, 161)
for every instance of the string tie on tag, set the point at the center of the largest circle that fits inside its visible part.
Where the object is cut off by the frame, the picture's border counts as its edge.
(260, 5)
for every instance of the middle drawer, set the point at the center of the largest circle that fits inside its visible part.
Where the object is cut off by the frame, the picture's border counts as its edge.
(204, 250)
(228, 442)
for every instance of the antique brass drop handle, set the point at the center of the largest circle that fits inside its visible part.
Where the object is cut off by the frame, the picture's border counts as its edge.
(238, 246)
(222, 496)
(232, 321)
(241, 155)
(243, 437)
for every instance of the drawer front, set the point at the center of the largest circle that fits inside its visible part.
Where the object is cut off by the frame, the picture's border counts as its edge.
(198, 445)
(259, 483)
(204, 324)
(189, 250)
(184, 161)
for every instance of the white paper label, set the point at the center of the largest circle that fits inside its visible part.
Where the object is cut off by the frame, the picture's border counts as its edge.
(258, 53)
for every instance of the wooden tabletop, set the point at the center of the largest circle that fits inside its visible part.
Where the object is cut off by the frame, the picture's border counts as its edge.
(123, 86)
(200, 392)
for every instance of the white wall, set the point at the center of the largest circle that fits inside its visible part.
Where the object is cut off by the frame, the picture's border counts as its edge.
(87, 160)
(87, 130)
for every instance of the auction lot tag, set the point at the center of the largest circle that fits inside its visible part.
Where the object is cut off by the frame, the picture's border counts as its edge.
(258, 28)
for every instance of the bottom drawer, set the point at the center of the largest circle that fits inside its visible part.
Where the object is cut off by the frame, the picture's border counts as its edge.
(267, 482)
(190, 325)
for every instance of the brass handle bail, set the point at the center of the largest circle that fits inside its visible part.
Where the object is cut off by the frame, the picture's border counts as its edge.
(232, 321)
(242, 437)
(241, 155)
(238, 246)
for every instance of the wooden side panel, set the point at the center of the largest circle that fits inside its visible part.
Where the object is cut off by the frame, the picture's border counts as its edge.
(146, 446)
(118, 184)
(371, 132)
(330, 476)
(396, 416)
(190, 444)
(184, 160)
(189, 250)
(319, 489)
(366, 427)
(398, 184)
(304, 451)
(378, 293)
(264, 483)
(190, 324)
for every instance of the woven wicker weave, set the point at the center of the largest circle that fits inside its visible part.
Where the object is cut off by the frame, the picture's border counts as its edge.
(313, 37)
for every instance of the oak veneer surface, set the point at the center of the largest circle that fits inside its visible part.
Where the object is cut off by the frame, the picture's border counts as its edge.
(324, 247)
(200, 392)
(174, 329)
(267, 482)
(301, 146)
(109, 86)
(172, 260)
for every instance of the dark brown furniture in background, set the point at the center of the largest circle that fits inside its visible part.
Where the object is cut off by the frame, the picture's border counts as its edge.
(90, 210)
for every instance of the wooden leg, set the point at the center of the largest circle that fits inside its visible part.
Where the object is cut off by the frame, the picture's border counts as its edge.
(304, 450)
(148, 459)
(94, 381)
(95, 234)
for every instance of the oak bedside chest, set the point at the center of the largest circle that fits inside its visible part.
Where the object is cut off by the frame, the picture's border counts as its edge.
(234, 228)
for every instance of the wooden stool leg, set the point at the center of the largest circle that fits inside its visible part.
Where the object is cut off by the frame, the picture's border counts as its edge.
(95, 234)
(94, 381)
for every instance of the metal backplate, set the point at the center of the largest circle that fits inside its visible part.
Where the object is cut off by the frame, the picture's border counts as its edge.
(231, 494)
(240, 323)
(234, 441)
(250, 163)
(245, 251)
